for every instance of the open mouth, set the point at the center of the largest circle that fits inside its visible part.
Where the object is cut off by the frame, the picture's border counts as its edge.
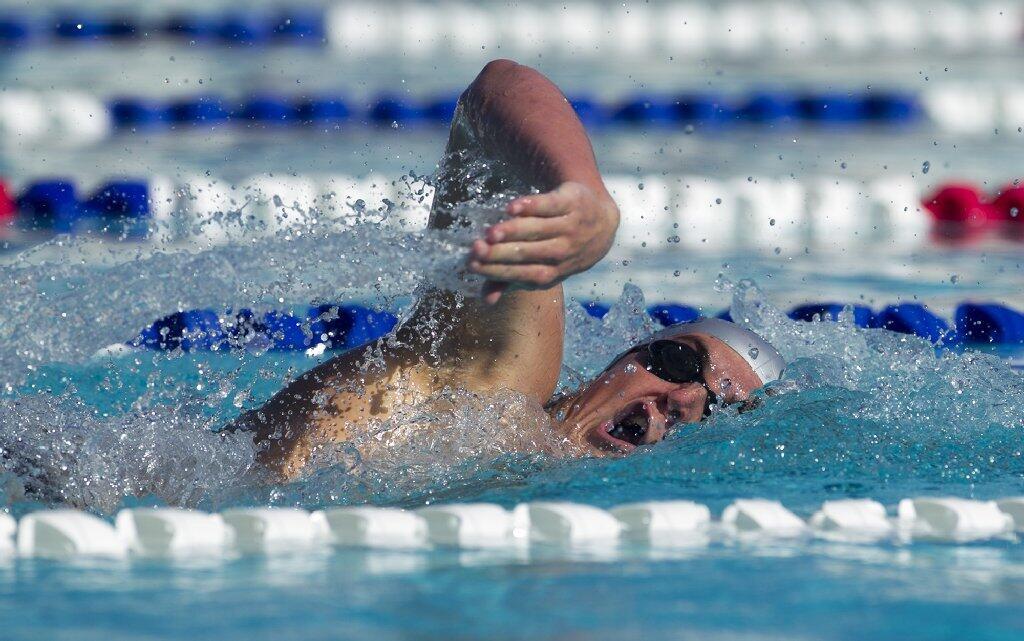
(629, 427)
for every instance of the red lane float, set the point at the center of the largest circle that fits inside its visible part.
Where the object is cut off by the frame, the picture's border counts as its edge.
(963, 212)
(1009, 209)
(8, 208)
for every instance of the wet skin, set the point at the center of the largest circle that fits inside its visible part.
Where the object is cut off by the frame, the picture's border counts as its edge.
(644, 406)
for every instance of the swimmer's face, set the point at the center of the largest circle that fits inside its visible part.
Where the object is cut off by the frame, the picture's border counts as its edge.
(627, 406)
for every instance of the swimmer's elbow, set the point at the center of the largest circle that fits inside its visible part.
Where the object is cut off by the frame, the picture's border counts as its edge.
(500, 77)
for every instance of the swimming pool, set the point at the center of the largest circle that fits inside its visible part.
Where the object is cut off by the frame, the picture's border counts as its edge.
(862, 413)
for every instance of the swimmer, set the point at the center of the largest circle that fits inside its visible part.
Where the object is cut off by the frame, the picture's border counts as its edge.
(510, 337)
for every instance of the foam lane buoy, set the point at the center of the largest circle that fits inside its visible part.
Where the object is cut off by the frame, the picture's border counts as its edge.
(51, 205)
(959, 204)
(371, 527)
(916, 319)
(322, 110)
(860, 518)
(8, 528)
(189, 331)
(762, 516)
(670, 314)
(862, 315)
(989, 323)
(662, 522)
(1008, 210)
(202, 110)
(132, 113)
(953, 519)
(122, 208)
(197, 27)
(367, 325)
(270, 529)
(473, 525)
(64, 534)
(286, 332)
(302, 26)
(8, 207)
(166, 532)
(1014, 507)
(564, 523)
(245, 28)
(267, 110)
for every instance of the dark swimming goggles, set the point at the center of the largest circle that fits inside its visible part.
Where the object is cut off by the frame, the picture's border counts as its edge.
(679, 364)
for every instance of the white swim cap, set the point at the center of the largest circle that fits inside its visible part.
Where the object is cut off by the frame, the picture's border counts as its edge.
(764, 359)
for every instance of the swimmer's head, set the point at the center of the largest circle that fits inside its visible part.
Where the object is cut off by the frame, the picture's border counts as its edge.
(679, 375)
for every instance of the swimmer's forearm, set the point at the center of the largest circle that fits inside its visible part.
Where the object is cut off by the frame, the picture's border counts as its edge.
(522, 118)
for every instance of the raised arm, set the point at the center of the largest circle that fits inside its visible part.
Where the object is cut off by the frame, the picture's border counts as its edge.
(520, 118)
(512, 337)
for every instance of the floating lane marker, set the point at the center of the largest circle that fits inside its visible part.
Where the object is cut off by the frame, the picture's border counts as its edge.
(269, 529)
(63, 534)
(1011, 506)
(371, 527)
(472, 525)
(953, 519)
(852, 519)
(8, 528)
(662, 522)
(563, 523)
(166, 532)
(761, 516)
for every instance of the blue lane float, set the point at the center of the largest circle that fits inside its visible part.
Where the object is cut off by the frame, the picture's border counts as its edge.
(346, 326)
(298, 26)
(761, 108)
(990, 323)
(50, 205)
(862, 315)
(916, 319)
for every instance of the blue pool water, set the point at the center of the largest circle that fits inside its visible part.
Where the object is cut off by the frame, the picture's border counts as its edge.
(861, 413)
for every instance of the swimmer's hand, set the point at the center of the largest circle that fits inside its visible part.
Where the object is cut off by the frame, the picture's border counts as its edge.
(550, 237)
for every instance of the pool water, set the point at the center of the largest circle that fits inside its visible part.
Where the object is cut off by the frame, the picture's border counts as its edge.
(860, 412)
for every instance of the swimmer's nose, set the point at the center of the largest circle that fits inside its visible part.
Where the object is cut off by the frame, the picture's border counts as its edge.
(686, 403)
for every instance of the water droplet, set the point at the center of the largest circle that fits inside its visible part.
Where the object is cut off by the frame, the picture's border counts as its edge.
(631, 368)
(1014, 211)
(771, 223)
(753, 353)
(925, 167)
(954, 279)
(718, 201)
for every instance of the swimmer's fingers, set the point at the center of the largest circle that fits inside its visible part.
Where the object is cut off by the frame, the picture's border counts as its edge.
(522, 276)
(547, 252)
(553, 203)
(529, 228)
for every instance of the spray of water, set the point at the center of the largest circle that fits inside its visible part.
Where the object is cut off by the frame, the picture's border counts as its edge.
(858, 411)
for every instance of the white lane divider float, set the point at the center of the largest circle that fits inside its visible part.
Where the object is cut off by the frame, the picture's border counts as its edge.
(8, 528)
(953, 519)
(662, 521)
(762, 517)
(177, 533)
(852, 519)
(563, 523)
(470, 525)
(269, 529)
(166, 532)
(1012, 506)
(739, 28)
(65, 534)
(371, 527)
